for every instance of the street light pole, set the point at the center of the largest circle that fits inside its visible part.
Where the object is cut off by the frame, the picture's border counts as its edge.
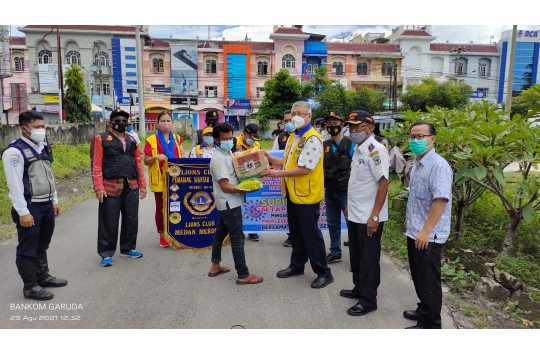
(100, 82)
(60, 79)
(140, 94)
(508, 103)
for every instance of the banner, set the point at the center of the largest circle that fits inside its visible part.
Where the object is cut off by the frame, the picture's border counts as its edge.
(48, 77)
(184, 69)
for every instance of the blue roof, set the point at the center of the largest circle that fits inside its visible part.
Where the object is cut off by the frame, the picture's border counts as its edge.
(317, 49)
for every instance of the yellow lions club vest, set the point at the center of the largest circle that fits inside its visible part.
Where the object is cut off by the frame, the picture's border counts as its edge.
(154, 172)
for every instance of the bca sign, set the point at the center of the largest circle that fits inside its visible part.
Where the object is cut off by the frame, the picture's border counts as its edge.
(529, 34)
(478, 95)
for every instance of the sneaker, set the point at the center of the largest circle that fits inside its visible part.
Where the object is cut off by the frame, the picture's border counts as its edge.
(254, 237)
(330, 259)
(134, 254)
(163, 242)
(287, 243)
(106, 262)
(346, 243)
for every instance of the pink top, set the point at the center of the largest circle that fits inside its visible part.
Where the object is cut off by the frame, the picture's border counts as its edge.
(123, 140)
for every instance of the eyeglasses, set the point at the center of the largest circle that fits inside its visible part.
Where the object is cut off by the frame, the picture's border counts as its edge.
(299, 114)
(419, 137)
(119, 120)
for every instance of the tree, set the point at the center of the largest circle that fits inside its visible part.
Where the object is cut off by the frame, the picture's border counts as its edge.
(431, 93)
(281, 92)
(331, 98)
(365, 99)
(78, 106)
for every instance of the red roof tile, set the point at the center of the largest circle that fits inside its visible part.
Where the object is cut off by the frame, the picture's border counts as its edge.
(289, 30)
(156, 43)
(257, 46)
(87, 27)
(415, 33)
(357, 47)
(18, 41)
(446, 47)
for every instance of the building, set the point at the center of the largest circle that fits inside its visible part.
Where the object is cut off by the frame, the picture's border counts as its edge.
(16, 86)
(526, 69)
(157, 79)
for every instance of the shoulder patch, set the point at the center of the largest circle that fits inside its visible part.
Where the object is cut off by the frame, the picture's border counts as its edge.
(371, 147)
(302, 142)
(374, 153)
(377, 159)
(28, 153)
(284, 139)
(109, 138)
(15, 161)
(327, 149)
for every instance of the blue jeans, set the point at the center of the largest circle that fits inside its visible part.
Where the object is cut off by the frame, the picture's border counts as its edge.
(335, 204)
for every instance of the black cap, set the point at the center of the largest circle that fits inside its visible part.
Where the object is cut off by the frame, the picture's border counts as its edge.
(253, 130)
(320, 122)
(357, 117)
(119, 113)
(212, 115)
(334, 114)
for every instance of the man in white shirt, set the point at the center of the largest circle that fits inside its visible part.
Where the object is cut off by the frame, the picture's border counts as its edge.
(35, 205)
(366, 211)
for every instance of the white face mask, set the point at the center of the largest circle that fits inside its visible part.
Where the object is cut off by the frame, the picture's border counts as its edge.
(37, 135)
(298, 122)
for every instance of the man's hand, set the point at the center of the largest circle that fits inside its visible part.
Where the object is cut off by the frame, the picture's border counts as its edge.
(161, 157)
(100, 195)
(142, 192)
(268, 156)
(346, 213)
(372, 227)
(422, 240)
(272, 173)
(26, 221)
(56, 208)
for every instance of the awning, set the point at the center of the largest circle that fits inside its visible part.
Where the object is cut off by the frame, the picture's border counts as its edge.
(315, 49)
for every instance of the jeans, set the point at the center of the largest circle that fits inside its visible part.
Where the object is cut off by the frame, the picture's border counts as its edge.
(335, 204)
(230, 222)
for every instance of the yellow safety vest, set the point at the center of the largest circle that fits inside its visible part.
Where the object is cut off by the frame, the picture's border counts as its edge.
(199, 150)
(154, 172)
(240, 142)
(307, 189)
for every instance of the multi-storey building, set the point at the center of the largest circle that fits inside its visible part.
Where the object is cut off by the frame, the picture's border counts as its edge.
(16, 86)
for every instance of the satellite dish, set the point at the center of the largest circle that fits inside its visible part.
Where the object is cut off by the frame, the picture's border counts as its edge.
(344, 35)
(95, 69)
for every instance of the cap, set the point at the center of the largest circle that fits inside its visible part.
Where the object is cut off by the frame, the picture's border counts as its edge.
(212, 115)
(357, 117)
(207, 130)
(130, 123)
(119, 113)
(253, 129)
(334, 114)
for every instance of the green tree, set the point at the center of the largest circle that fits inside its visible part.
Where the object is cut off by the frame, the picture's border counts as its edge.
(365, 99)
(430, 93)
(78, 106)
(281, 92)
(331, 98)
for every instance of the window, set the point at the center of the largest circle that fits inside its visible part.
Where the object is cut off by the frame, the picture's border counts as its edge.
(460, 68)
(337, 68)
(386, 69)
(260, 93)
(106, 89)
(73, 57)
(18, 64)
(104, 59)
(210, 91)
(262, 68)
(157, 65)
(482, 69)
(288, 61)
(362, 69)
(484, 90)
(45, 57)
(211, 67)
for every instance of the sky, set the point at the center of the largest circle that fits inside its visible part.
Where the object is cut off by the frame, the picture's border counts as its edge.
(454, 33)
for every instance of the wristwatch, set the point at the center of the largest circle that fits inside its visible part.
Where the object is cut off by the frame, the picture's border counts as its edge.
(375, 218)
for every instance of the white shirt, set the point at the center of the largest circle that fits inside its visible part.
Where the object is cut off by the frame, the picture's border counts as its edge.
(221, 167)
(275, 146)
(14, 170)
(370, 163)
(207, 152)
(135, 136)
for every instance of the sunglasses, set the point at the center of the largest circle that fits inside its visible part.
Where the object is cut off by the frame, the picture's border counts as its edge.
(119, 120)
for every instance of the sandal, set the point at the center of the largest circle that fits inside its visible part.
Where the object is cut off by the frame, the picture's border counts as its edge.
(250, 281)
(223, 270)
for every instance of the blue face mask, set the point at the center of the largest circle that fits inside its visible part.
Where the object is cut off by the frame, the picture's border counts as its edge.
(130, 128)
(250, 141)
(289, 127)
(208, 140)
(226, 145)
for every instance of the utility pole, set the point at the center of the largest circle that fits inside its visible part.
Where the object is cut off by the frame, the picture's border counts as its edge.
(2, 121)
(508, 103)
(140, 94)
(390, 95)
(100, 82)
(60, 79)
(395, 90)
(458, 52)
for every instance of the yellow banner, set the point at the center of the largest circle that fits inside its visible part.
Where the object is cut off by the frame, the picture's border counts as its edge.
(49, 98)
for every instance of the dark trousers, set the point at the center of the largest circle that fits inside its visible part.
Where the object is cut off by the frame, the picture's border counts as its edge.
(230, 222)
(35, 239)
(425, 268)
(109, 214)
(306, 238)
(365, 254)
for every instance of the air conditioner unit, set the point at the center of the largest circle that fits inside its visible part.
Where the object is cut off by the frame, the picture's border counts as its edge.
(34, 89)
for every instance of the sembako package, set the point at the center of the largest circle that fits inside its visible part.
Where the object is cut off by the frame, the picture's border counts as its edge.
(248, 167)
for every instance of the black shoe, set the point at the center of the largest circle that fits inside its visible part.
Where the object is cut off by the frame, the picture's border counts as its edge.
(42, 270)
(287, 243)
(330, 259)
(360, 310)
(414, 327)
(254, 237)
(346, 243)
(349, 294)
(283, 274)
(27, 270)
(322, 282)
(412, 315)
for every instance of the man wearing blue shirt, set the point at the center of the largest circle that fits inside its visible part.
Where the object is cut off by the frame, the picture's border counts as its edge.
(428, 224)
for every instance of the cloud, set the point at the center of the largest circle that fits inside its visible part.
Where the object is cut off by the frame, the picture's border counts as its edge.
(478, 34)
(256, 33)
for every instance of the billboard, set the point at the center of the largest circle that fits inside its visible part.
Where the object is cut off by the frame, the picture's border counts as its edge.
(48, 77)
(184, 69)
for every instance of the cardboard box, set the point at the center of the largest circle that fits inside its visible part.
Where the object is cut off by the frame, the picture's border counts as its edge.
(250, 166)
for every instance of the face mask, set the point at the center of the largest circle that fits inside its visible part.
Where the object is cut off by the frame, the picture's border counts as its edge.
(226, 145)
(37, 135)
(120, 127)
(298, 122)
(358, 138)
(289, 127)
(250, 141)
(334, 130)
(165, 127)
(419, 147)
(130, 128)
(208, 140)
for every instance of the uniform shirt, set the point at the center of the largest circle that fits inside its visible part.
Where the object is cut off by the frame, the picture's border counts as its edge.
(207, 152)
(311, 154)
(221, 167)
(370, 164)
(431, 178)
(14, 170)
(324, 135)
(240, 142)
(135, 136)
(275, 146)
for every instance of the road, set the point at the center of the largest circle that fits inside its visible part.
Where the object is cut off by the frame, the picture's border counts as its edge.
(169, 289)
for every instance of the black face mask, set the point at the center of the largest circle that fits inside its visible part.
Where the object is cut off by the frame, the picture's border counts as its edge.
(334, 130)
(120, 127)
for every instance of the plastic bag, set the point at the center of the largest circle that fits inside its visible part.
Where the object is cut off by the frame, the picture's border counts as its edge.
(247, 152)
(250, 185)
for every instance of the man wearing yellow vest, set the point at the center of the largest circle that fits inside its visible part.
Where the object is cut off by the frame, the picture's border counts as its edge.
(302, 181)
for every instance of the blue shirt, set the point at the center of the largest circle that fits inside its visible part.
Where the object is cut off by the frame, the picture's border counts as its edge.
(431, 178)
(338, 143)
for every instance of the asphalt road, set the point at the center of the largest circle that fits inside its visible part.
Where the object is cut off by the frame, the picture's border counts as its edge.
(170, 289)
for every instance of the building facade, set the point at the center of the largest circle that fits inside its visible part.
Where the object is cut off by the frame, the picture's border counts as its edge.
(16, 86)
